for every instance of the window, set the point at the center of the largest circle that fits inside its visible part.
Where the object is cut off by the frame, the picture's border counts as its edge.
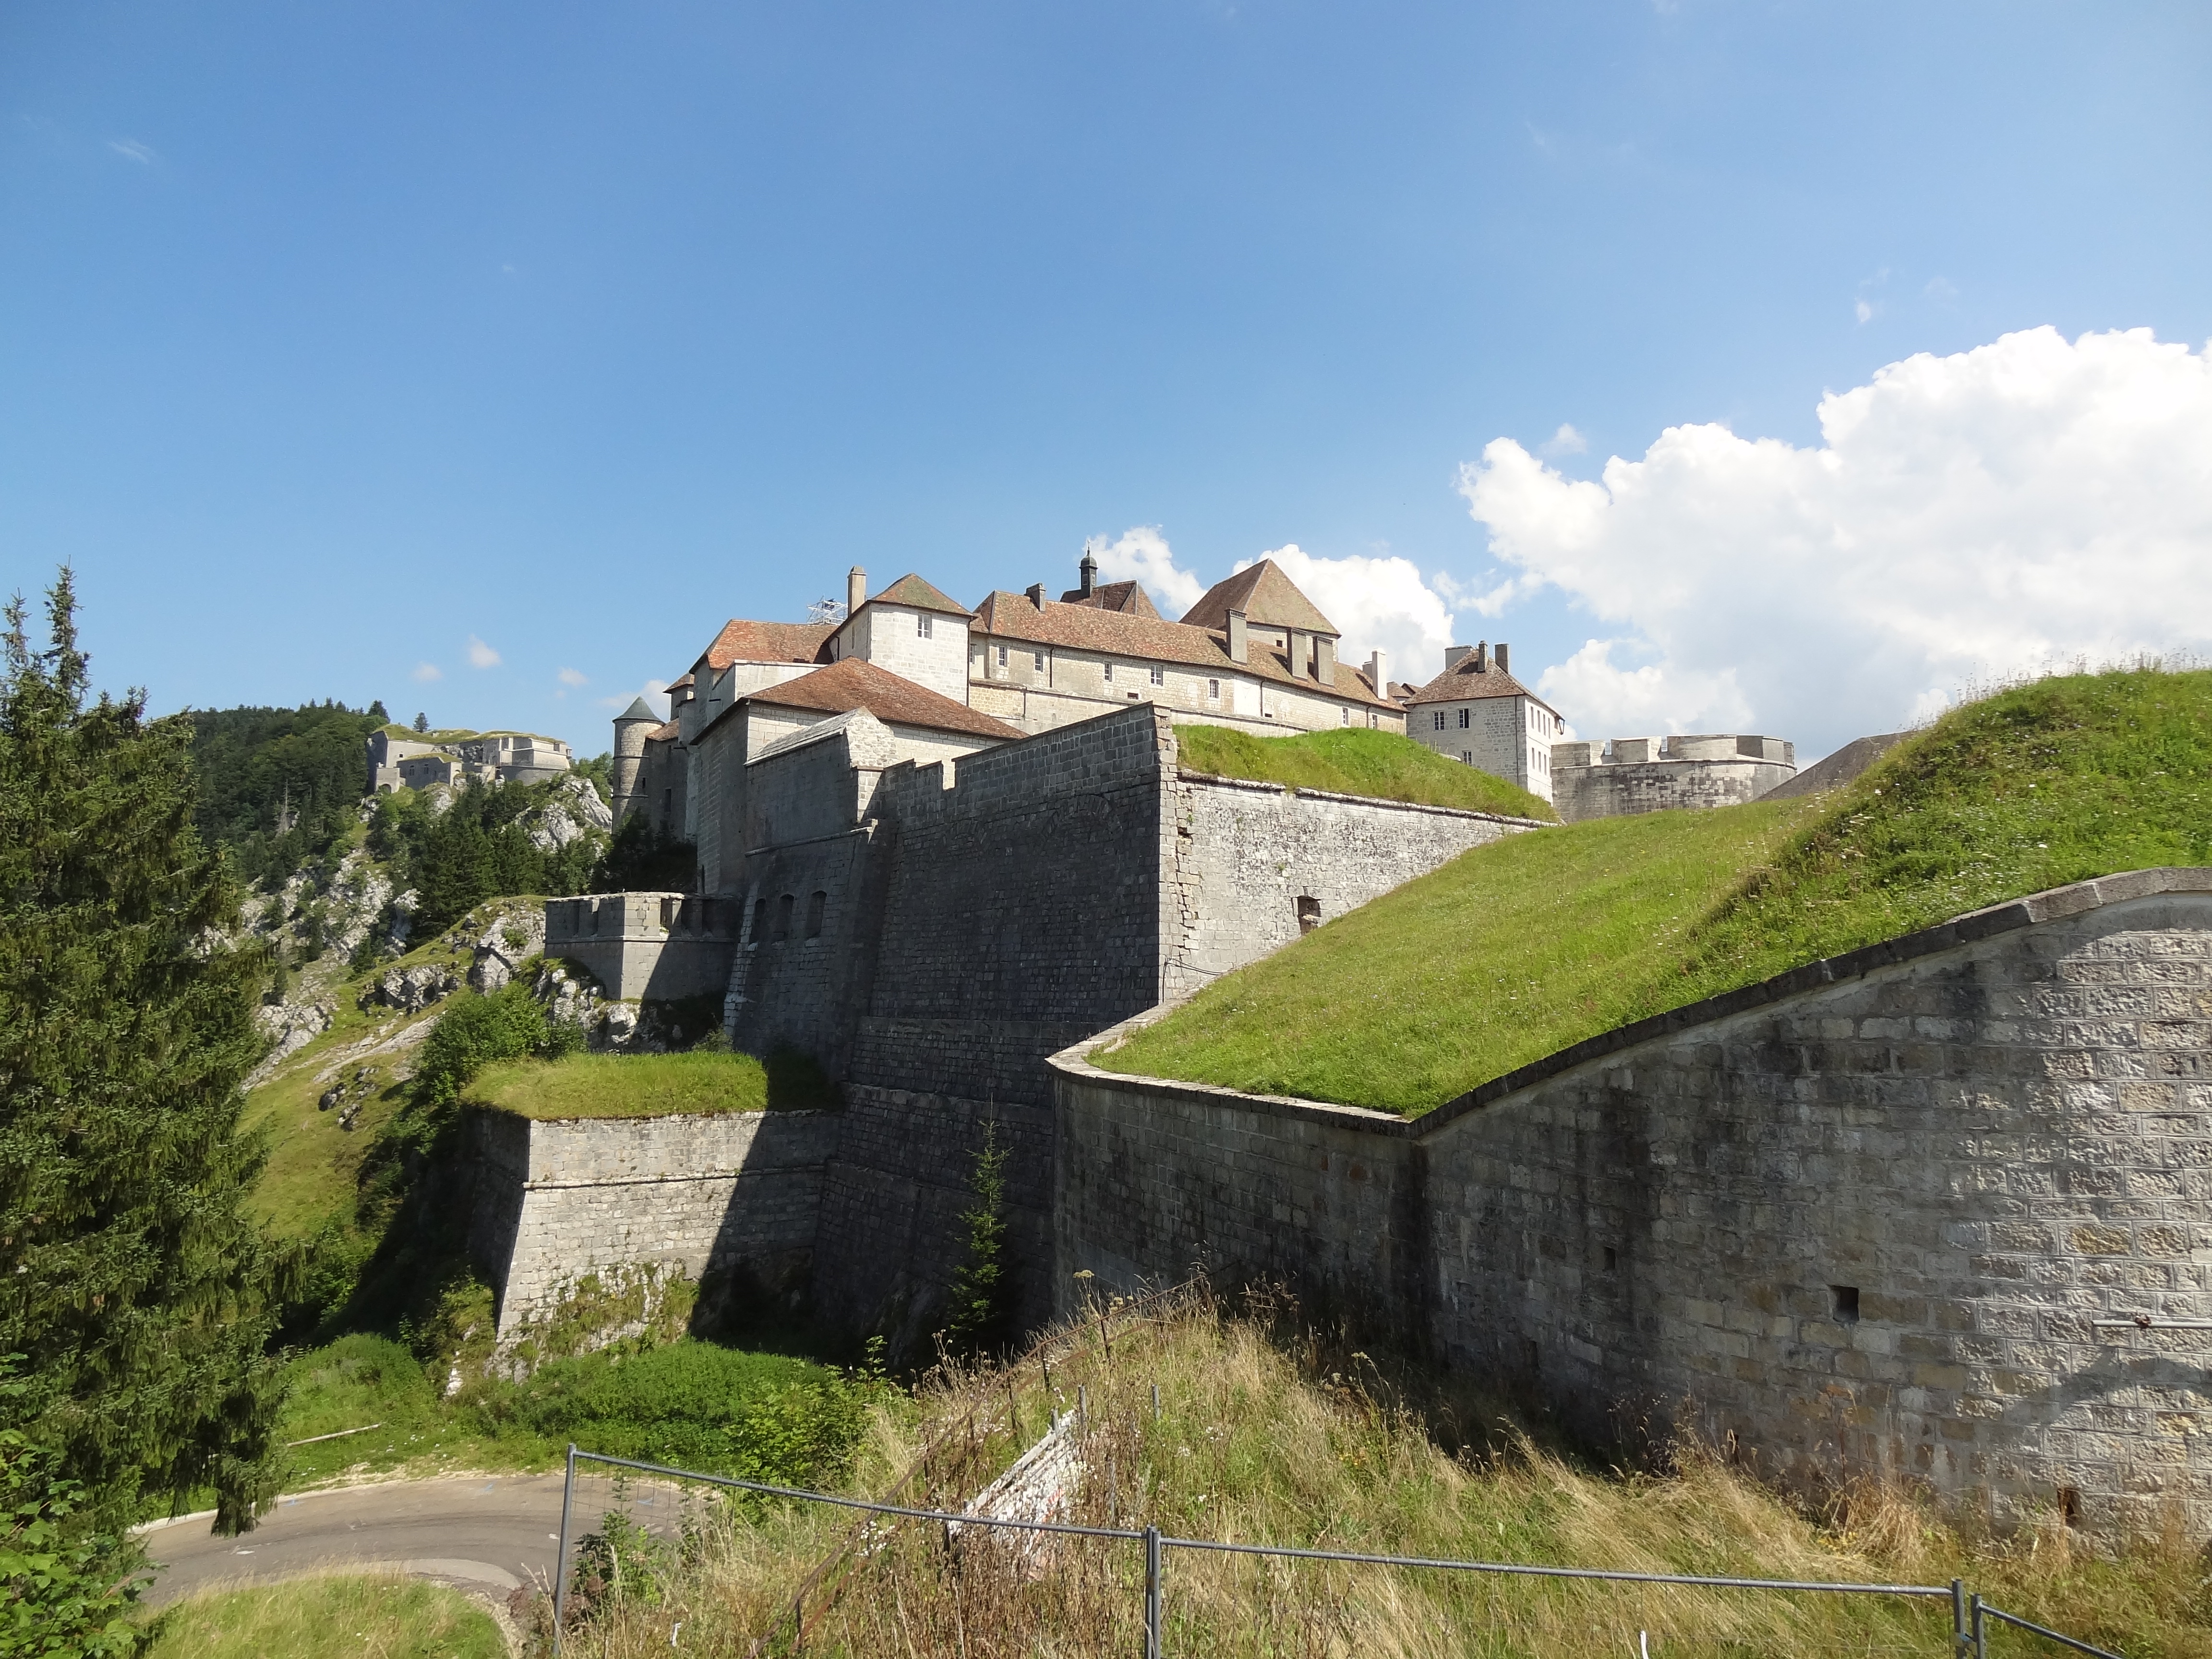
(1159, 677)
(1002, 656)
(925, 627)
(1039, 655)
(1467, 755)
(783, 906)
(1437, 720)
(1308, 914)
(1463, 721)
(1847, 1303)
(1214, 691)
(814, 908)
(1110, 673)
(1347, 713)
(759, 918)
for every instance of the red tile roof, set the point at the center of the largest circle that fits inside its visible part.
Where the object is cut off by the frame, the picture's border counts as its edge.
(892, 698)
(1265, 596)
(1128, 597)
(1014, 616)
(911, 590)
(1466, 683)
(663, 733)
(767, 641)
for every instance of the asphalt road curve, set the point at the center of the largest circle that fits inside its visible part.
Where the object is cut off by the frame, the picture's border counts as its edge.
(485, 1533)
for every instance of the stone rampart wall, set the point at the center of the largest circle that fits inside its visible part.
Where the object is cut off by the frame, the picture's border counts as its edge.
(1617, 789)
(1861, 1218)
(737, 1193)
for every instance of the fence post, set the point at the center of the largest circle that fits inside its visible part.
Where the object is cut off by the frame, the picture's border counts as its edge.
(1152, 1562)
(561, 1561)
(1981, 1632)
(1959, 1618)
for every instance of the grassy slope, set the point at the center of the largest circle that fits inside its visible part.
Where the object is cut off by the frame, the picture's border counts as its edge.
(322, 1618)
(647, 1085)
(1517, 949)
(1354, 763)
(1266, 1436)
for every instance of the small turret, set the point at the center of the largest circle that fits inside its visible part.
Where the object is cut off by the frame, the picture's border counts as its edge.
(632, 726)
(1089, 571)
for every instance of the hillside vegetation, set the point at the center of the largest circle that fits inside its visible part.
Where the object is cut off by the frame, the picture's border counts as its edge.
(1354, 763)
(305, 766)
(1519, 948)
(1261, 1431)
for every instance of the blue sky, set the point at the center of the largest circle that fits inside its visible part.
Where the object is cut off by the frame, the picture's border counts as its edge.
(334, 338)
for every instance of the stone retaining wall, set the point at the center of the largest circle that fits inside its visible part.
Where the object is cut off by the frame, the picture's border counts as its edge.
(1860, 1218)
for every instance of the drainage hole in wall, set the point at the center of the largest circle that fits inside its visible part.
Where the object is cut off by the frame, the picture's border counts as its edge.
(1612, 1258)
(2070, 1505)
(1847, 1303)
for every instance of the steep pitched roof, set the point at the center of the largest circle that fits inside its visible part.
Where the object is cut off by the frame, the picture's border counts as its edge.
(1121, 634)
(767, 641)
(1265, 596)
(857, 683)
(1467, 684)
(639, 709)
(911, 590)
(667, 733)
(1129, 597)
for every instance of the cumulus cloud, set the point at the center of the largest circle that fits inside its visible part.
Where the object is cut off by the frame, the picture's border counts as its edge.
(2022, 504)
(1565, 441)
(427, 672)
(1143, 554)
(482, 655)
(570, 677)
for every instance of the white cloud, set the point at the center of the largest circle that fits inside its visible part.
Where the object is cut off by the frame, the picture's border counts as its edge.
(1565, 441)
(482, 655)
(655, 693)
(1143, 554)
(1864, 311)
(2028, 502)
(570, 677)
(132, 150)
(427, 672)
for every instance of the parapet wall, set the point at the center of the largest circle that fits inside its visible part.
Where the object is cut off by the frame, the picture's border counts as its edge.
(1861, 1219)
(661, 945)
(1658, 775)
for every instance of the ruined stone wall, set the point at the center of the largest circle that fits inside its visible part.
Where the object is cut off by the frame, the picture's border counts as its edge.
(1862, 1217)
(735, 1193)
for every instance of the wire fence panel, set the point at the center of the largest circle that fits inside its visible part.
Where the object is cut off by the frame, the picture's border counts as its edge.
(1020, 1580)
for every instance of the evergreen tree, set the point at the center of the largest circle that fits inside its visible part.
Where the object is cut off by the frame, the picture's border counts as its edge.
(135, 1294)
(981, 1304)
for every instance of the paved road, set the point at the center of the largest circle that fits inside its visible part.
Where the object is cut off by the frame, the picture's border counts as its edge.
(488, 1533)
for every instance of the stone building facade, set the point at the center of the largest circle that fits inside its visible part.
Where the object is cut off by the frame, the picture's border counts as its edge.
(398, 759)
(1935, 1209)
(1476, 713)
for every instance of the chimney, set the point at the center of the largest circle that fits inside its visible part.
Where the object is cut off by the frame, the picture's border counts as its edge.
(1456, 654)
(856, 589)
(1236, 645)
(1037, 594)
(1377, 675)
(1482, 656)
(1325, 659)
(1501, 658)
(1089, 569)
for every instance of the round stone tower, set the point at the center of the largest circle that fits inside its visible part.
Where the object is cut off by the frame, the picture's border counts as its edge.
(632, 726)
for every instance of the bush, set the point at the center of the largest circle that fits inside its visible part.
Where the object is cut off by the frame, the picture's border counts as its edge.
(64, 1589)
(470, 1034)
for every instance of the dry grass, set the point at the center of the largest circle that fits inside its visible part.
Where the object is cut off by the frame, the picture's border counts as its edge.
(1265, 1435)
(359, 1615)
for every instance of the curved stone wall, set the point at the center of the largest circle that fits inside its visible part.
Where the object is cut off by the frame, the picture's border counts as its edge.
(1863, 1218)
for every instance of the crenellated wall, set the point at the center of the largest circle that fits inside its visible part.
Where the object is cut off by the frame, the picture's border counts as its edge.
(1655, 775)
(1860, 1218)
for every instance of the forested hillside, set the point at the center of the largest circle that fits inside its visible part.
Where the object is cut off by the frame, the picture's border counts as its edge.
(280, 785)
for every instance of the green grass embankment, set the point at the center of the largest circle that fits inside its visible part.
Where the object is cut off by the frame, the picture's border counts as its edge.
(1520, 948)
(1382, 764)
(652, 1085)
(344, 1613)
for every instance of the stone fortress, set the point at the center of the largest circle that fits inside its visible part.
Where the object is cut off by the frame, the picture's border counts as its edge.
(400, 759)
(1866, 1217)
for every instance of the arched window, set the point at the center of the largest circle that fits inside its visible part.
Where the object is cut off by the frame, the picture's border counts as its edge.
(815, 906)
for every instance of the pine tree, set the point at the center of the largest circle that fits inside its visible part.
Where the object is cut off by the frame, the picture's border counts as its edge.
(980, 1304)
(137, 1295)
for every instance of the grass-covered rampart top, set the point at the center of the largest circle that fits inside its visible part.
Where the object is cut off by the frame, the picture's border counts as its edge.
(652, 1085)
(1382, 764)
(1517, 949)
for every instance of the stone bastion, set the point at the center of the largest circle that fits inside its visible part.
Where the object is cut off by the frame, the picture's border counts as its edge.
(1897, 1213)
